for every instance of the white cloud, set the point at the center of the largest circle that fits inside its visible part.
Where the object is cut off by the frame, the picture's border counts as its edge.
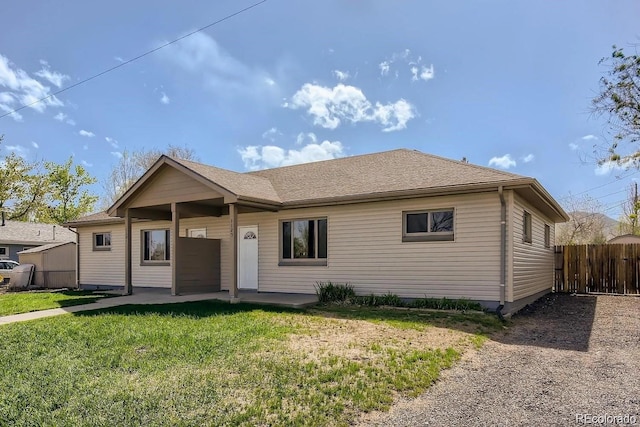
(504, 162)
(405, 58)
(119, 59)
(423, 73)
(270, 156)
(384, 68)
(589, 137)
(165, 99)
(60, 116)
(71, 122)
(271, 134)
(52, 77)
(86, 133)
(304, 137)
(573, 146)
(330, 106)
(18, 149)
(610, 166)
(85, 147)
(35, 144)
(111, 141)
(220, 72)
(23, 90)
(87, 164)
(116, 154)
(528, 158)
(341, 75)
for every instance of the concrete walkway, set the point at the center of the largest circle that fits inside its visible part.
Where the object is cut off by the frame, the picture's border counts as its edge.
(162, 296)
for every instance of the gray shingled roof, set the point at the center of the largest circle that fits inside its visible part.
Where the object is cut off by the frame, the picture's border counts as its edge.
(33, 233)
(241, 184)
(100, 217)
(388, 174)
(379, 173)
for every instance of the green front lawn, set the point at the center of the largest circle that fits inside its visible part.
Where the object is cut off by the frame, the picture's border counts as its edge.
(212, 363)
(24, 302)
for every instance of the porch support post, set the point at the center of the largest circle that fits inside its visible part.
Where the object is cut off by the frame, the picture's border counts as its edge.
(233, 220)
(128, 287)
(173, 254)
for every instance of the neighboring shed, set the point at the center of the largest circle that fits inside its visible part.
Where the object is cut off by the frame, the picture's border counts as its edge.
(55, 264)
(16, 236)
(625, 238)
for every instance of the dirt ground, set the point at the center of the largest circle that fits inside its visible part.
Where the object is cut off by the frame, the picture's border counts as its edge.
(563, 361)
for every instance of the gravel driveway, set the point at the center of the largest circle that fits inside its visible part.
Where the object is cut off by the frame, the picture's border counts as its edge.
(565, 356)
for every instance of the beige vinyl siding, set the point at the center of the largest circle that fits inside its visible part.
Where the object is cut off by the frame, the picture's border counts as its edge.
(171, 185)
(365, 248)
(151, 276)
(102, 267)
(532, 262)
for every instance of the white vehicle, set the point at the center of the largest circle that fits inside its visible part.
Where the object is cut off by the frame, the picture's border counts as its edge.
(6, 266)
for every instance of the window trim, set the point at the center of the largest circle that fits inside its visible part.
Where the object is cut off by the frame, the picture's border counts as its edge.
(527, 231)
(429, 236)
(321, 262)
(97, 248)
(148, 262)
(547, 236)
(6, 251)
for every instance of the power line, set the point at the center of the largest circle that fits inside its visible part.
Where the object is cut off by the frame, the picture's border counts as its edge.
(129, 61)
(618, 180)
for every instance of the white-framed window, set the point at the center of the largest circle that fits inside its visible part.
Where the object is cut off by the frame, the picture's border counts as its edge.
(428, 225)
(155, 247)
(303, 241)
(4, 251)
(102, 241)
(547, 236)
(527, 234)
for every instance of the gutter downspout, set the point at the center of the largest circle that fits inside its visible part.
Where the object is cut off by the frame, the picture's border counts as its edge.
(77, 256)
(503, 251)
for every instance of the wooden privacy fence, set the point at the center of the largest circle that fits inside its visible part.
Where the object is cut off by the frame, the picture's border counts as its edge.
(611, 269)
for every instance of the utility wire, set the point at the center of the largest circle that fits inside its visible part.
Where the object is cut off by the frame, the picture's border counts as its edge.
(95, 76)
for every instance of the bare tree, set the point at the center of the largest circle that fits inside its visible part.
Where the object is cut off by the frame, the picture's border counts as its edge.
(586, 222)
(132, 165)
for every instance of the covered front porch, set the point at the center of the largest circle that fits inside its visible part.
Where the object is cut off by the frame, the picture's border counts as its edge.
(173, 191)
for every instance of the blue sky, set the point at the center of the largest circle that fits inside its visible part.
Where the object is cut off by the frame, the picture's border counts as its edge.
(502, 83)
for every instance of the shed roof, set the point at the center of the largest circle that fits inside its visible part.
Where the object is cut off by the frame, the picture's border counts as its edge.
(44, 248)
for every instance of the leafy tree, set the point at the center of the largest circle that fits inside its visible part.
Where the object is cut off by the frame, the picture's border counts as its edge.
(67, 197)
(629, 221)
(132, 165)
(586, 222)
(22, 186)
(619, 99)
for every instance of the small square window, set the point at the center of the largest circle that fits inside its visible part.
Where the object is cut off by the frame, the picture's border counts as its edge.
(435, 225)
(547, 236)
(102, 241)
(4, 251)
(527, 236)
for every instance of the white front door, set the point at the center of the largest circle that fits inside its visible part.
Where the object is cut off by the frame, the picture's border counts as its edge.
(248, 257)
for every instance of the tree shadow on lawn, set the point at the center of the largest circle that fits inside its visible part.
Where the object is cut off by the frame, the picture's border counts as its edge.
(558, 321)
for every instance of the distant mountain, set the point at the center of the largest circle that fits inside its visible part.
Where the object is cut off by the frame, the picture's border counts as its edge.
(611, 227)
